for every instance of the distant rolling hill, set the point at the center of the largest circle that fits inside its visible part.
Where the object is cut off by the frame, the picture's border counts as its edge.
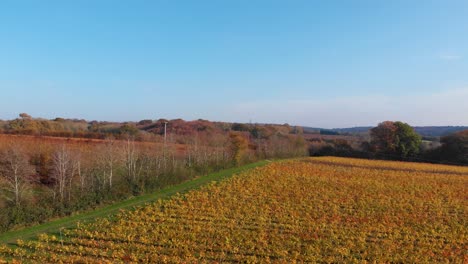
(437, 131)
(427, 131)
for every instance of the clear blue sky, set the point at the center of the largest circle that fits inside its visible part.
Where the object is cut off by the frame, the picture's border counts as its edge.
(316, 63)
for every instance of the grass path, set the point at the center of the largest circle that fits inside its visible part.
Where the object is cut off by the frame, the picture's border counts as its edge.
(66, 222)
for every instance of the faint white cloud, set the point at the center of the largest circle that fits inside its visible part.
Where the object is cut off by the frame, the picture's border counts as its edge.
(441, 108)
(449, 57)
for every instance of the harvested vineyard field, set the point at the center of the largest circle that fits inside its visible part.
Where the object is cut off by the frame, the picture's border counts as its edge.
(310, 210)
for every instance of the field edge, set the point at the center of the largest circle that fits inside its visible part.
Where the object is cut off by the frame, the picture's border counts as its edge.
(55, 226)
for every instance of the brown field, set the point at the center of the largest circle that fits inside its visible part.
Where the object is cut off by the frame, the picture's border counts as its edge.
(33, 143)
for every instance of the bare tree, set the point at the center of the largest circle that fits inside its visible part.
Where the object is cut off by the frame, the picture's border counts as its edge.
(132, 163)
(62, 170)
(77, 171)
(16, 172)
(110, 158)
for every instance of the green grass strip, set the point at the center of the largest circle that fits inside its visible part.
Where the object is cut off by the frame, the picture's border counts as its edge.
(54, 226)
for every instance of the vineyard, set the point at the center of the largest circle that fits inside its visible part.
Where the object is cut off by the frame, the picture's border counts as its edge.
(308, 210)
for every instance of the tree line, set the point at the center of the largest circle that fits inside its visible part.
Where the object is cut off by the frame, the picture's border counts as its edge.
(41, 180)
(395, 140)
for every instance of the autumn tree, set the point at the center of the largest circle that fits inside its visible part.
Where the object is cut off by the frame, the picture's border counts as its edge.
(145, 122)
(383, 137)
(129, 130)
(395, 138)
(240, 127)
(16, 172)
(42, 161)
(25, 116)
(239, 147)
(454, 148)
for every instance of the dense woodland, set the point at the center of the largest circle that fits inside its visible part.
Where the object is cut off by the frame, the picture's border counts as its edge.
(57, 167)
